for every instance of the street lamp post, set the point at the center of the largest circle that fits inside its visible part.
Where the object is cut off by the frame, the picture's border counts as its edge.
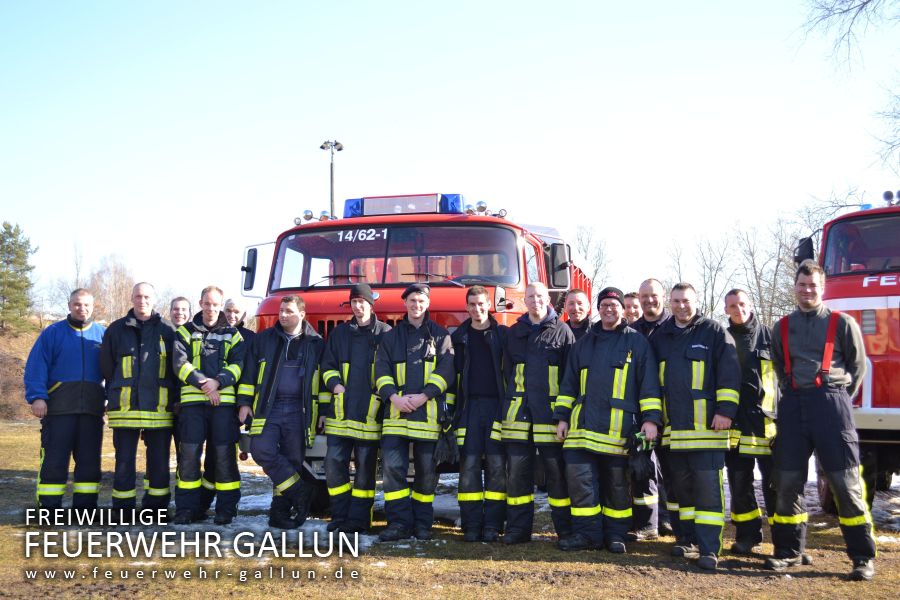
(331, 146)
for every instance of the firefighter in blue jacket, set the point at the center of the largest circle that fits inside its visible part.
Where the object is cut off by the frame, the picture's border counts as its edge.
(534, 362)
(280, 390)
(350, 414)
(700, 377)
(208, 357)
(753, 430)
(413, 370)
(478, 353)
(134, 359)
(64, 387)
(609, 393)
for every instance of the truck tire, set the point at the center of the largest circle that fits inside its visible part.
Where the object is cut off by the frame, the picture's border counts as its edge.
(883, 480)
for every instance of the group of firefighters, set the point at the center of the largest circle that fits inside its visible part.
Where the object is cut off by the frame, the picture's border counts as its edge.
(582, 397)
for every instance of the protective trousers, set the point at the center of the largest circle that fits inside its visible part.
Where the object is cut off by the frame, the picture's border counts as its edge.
(351, 505)
(819, 420)
(158, 443)
(520, 488)
(601, 497)
(408, 508)
(666, 491)
(281, 446)
(745, 512)
(196, 423)
(646, 498)
(62, 437)
(697, 482)
(482, 499)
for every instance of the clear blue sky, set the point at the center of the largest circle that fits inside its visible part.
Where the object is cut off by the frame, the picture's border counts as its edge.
(175, 133)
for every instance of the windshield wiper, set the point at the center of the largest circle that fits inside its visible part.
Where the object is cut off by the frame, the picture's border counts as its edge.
(467, 279)
(330, 277)
(425, 274)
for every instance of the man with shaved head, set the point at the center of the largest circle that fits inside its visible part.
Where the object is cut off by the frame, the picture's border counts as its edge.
(135, 361)
(537, 346)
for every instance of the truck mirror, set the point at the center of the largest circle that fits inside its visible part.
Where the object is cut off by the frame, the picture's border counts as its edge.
(249, 269)
(804, 251)
(559, 266)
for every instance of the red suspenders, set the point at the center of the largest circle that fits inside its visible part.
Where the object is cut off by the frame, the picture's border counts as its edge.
(826, 355)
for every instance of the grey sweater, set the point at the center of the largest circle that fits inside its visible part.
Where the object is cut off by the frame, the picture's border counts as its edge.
(807, 331)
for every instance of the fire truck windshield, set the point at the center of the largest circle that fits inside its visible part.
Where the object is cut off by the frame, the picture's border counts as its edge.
(863, 245)
(399, 254)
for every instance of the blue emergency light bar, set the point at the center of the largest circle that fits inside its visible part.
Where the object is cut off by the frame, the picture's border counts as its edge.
(404, 205)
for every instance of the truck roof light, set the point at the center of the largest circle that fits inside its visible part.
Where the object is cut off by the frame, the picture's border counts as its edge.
(501, 213)
(297, 220)
(470, 210)
(481, 206)
(307, 215)
(324, 215)
(407, 204)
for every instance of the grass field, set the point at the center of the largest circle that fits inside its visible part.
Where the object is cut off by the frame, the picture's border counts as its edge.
(445, 567)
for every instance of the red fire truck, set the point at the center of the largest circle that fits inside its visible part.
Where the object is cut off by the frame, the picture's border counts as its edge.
(390, 242)
(860, 253)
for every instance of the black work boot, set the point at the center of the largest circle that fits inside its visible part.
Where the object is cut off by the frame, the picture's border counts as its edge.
(863, 569)
(394, 532)
(280, 514)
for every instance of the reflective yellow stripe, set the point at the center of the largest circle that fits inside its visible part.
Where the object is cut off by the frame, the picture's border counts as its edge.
(615, 422)
(163, 400)
(672, 506)
(686, 513)
(81, 487)
(727, 395)
(362, 493)
(156, 491)
(565, 401)
(401, 374)
(619, 380)
(617, 514)
(648, 404)
(662, 372)
(329, 374)
(791, 519)
(646, 500)
(519, 500)
(338, 401)
(422, 497)
(228, 485)
(700, 414)
(553, 380)
(437, 380)
(559, 502)
(246, 389)
(747, 516)
(54, 387)
(125, 398)
(287, 482)
(698, 368)
(124, 494)
(126, 367)
(590, 511)
(51, 489)
(235, 370)
(854, 521)
(497, 496)
(470, 496)
(163, 361)
(383, 381)
(209, 485)
(184, 371)
(388, 496)
(520, 377)
(703, 517)
(341, 489)
(583, 382)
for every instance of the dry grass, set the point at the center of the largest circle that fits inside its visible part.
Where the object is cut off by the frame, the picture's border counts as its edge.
(445, 567)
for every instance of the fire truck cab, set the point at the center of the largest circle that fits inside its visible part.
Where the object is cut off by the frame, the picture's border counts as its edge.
(860, 253)
(390, 242)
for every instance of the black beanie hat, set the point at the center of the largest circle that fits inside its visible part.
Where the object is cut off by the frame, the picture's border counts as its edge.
(362, 290)
(611, 292)
(416, 288)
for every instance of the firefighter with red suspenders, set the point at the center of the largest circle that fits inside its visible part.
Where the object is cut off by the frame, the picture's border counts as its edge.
(820, 359)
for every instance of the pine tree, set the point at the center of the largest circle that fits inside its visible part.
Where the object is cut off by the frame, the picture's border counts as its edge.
(15, 280)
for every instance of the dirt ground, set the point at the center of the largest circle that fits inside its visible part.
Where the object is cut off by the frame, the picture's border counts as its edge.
(442, 568)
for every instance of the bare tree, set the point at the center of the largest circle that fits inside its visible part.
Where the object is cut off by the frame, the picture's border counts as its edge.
(58, 291)
(716, 274)
(847, 21)
(767, 268)
(592, 248)
(111, 285)
(676, 266)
